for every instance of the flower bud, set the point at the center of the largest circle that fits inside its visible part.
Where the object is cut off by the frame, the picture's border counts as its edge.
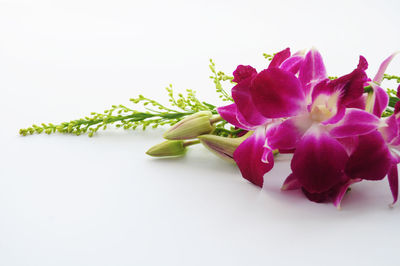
(190, 127)
(167, 148)
(221, 146)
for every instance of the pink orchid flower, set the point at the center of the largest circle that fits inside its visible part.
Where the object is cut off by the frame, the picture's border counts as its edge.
(319, 115)
(252, 158)
(308, 114)
(377, 154)
(374, 155)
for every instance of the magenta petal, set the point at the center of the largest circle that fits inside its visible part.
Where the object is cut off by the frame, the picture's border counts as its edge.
(292, 64)
(242, 97)
(362, 63)
(289, 133)
(279, 58)
(351, 85)
(393, 177)
(397, 107)
(312, 70)
(248, 157)
(243, 72)
(340, 191)
(371, 159)
(277, 93)
(319, 161)
(355, 122)
(326, 96)
(229, 113)
(381, 99)
(358, 103)
(379, 76)
(349, 144)
(317, 197)
(391, 131)
(291, 183)
(335, 194)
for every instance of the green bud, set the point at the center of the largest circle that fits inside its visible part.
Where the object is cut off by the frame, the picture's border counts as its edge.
(191, 127)
(221, 146)
(167, 148)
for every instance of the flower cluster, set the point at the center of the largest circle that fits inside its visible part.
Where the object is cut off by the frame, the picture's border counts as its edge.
(340, 130)
(332, 126)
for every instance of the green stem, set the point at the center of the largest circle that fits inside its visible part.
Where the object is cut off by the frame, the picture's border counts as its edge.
(191, 142)
(93, 124)
(230, 132)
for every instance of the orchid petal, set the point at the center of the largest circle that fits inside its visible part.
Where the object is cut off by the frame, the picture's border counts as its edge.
(289, 132)
(248, 125)
(279, 58)
(382, 68)
(350, 86)
(319, 161)
(349, 144)
(292, 64)
(243, 72)
(266, 156)
(359, 102)
(312, 70)
(355, 122)
(393, 178)
(248, 157)
(371, 159)
(286, 151)
(335, 194)
(277, 93)
(381, 99)
(325, 105)
(391, 130)
(242, 97)
(229, 114)
(362, 63)
(341, 190)
(317, 197)
(291, 183)
(397, 107)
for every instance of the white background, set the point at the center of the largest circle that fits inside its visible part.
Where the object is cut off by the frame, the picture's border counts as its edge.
(67, 200)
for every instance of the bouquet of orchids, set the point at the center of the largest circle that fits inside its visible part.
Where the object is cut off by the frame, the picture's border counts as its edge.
(340, 130)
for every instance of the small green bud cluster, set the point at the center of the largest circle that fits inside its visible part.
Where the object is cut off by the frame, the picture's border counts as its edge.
(217, 77)
(202, 127)
(268, 56)
(392, 77)
(153, 113)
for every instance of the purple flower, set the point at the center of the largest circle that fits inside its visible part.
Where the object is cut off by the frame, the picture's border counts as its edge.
(292, 106)
(318, 119)
(253, 159)
(377, 154)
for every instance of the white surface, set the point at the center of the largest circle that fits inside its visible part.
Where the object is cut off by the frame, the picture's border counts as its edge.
(67, 200)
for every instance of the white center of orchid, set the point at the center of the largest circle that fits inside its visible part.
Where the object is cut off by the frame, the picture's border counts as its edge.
(324, 107)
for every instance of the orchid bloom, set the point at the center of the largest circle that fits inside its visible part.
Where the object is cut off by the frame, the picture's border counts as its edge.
(391, 136)
(319, 116)
(252, 158)
(293, 106)
(377, 154)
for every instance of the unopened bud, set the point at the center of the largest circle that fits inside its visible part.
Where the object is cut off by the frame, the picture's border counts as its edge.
(191, 127)
(221, 146)
(167, 148)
